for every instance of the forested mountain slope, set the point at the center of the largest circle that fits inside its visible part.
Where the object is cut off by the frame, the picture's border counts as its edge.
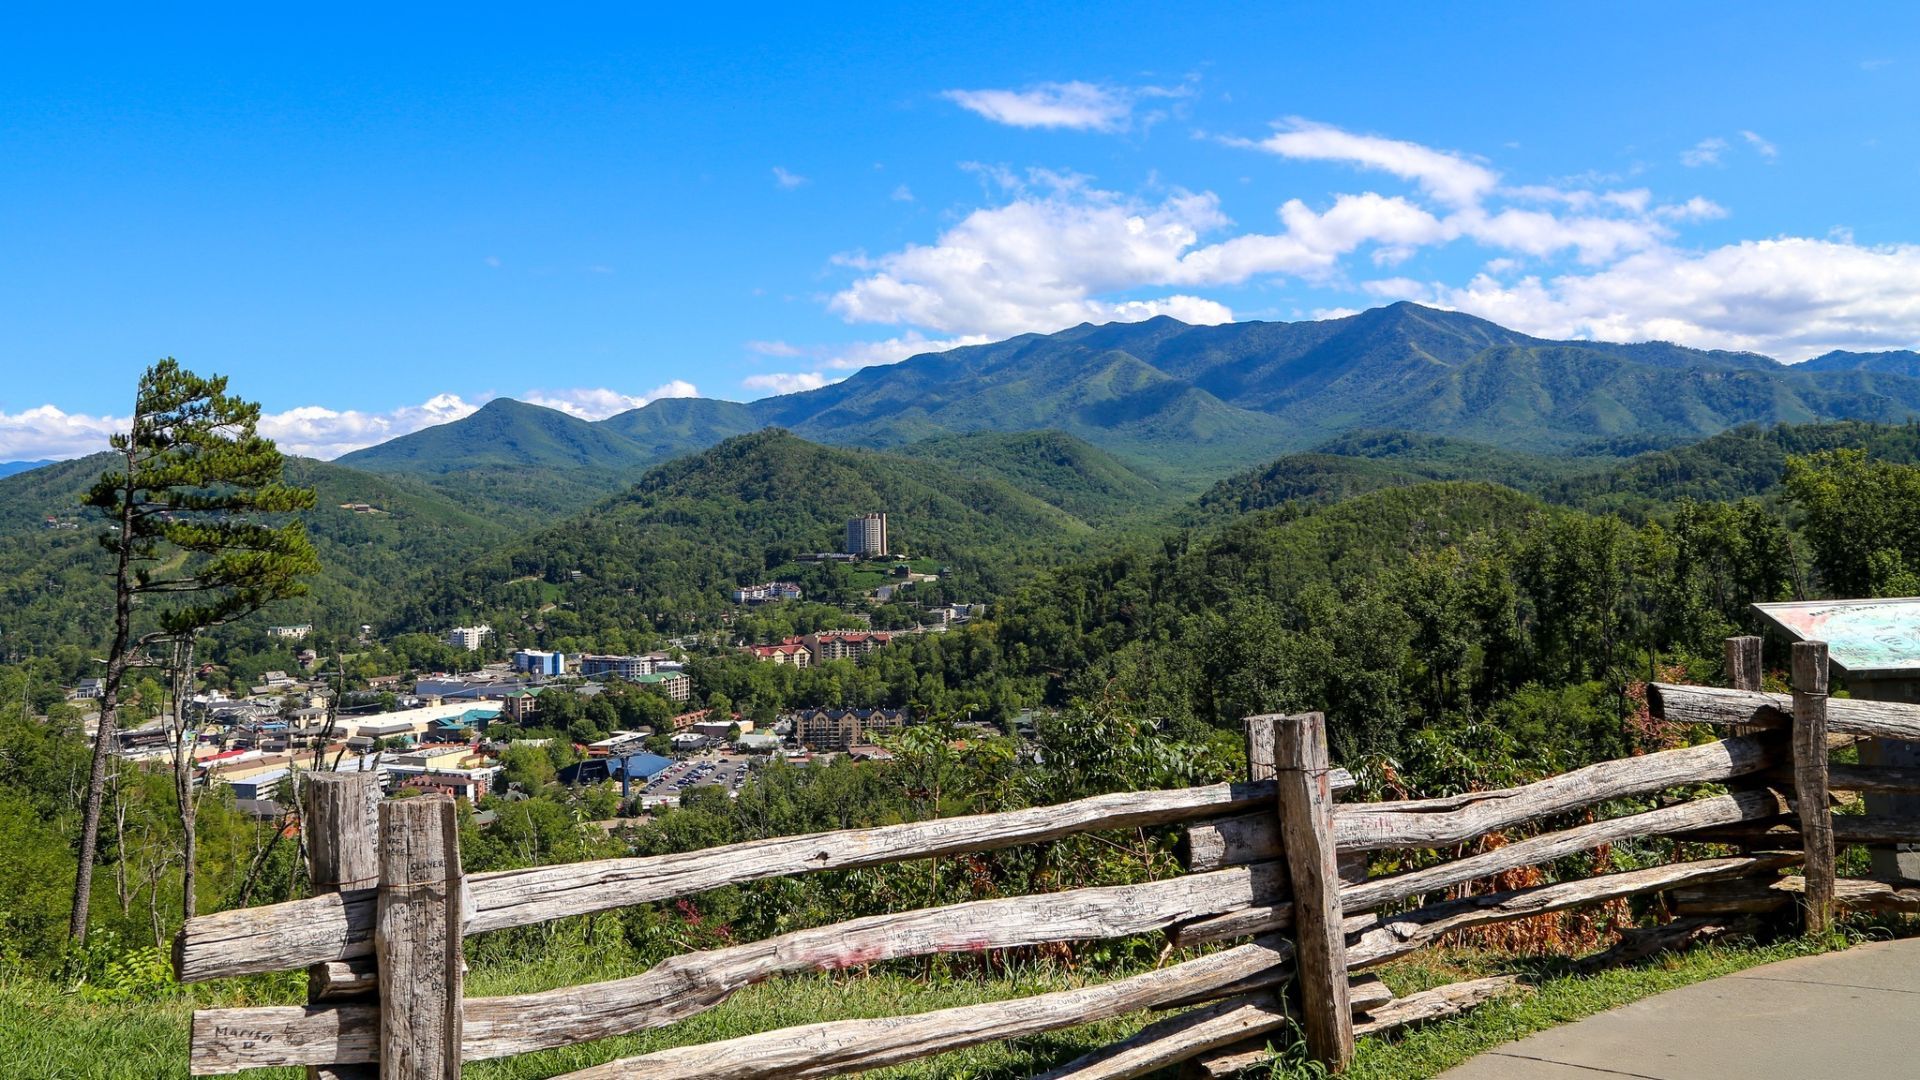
(1054, 467)
(54, 584)
(1743, 461)
(523, 461)
(667, 551)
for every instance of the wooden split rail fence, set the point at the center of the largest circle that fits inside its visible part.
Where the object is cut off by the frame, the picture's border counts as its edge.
(1274, 863)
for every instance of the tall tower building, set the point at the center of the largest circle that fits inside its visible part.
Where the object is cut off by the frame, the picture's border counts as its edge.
(867, 535)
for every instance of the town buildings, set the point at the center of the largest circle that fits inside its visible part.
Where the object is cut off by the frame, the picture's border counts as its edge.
(721, 729)
(290, 633)
(488, 684)
(867, 535)
(770, 592)
(468, 637)
(822, 646)
(677, 685)
(630, 668)
(789, 651)
(534, 662)
(519, 705)
(825, 730)
(828, 645)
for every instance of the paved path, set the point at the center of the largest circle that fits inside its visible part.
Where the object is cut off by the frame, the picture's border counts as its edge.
(1852, 1015)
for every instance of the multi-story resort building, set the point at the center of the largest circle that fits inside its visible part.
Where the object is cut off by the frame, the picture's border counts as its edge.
(867, 535)
(468, 637)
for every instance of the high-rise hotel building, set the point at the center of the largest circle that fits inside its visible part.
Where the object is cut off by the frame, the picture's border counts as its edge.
(867, 535)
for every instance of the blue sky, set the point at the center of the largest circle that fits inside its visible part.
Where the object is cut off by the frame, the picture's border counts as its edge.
(372, 222)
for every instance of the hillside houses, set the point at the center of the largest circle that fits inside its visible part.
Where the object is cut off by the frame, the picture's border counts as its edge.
(846, 644)
(791, 651)
(770, 592)
(821, 647)
(838, 730)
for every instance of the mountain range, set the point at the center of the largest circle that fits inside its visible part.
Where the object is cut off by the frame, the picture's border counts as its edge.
(1187, 405)
(997, 459)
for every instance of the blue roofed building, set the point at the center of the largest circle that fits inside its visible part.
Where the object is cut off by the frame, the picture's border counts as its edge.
(626, 768)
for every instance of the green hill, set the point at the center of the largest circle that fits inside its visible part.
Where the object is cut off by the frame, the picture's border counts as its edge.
(54, 585)
(665, 552)
(1082, 616)
(1054, 467)
(523, 461)
(1743, 461)
(1746, 461)
(1367, 461)
(670, 427)
(503, 433)
(1893, 362)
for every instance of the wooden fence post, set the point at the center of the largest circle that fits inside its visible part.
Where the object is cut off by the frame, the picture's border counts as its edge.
(341, 824)
(1306, 832)
(1743, 662)
(1259, 748)
(1744, 672)
(1810, 778)
(417, 939)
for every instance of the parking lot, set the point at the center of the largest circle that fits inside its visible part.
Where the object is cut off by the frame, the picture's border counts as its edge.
(726, 771)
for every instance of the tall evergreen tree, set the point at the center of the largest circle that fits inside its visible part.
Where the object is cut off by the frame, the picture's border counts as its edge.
(195, 545)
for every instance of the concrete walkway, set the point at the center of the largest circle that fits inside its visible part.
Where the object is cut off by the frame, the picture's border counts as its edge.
(1853, 1015)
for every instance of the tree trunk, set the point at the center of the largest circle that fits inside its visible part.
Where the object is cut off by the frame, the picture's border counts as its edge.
(120, 845)
(117, 664)
(189, 800)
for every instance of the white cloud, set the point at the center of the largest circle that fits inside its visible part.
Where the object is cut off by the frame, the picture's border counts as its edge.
(1790, 298)
(1077, 106)
(851, 356)
(308, 430)
(903, 193)
(1694, 209)
(892, 350)
(1053, 249)
(775, 348)
(785, 382)
(48, 432)
(786, 179)
(1039, 263)
(1705, 152)
(317, 431)
(1389, 290)
(1058, 249)
(598, 403)
(1761, 146)
(1449, 177)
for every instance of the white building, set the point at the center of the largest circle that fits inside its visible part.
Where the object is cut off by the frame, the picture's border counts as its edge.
(468, 637)
(767, 593)
(867, 535)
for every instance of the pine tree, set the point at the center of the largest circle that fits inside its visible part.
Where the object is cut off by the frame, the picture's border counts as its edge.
(191, 508)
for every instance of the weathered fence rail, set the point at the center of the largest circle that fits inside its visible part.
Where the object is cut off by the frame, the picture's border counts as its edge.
(339, 926)
(1274, 862)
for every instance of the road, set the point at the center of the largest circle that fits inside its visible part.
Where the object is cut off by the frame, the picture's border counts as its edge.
(1853, 1014)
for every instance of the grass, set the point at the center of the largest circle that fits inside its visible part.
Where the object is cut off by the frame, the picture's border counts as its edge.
(57, 1036)
(51, 1035)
